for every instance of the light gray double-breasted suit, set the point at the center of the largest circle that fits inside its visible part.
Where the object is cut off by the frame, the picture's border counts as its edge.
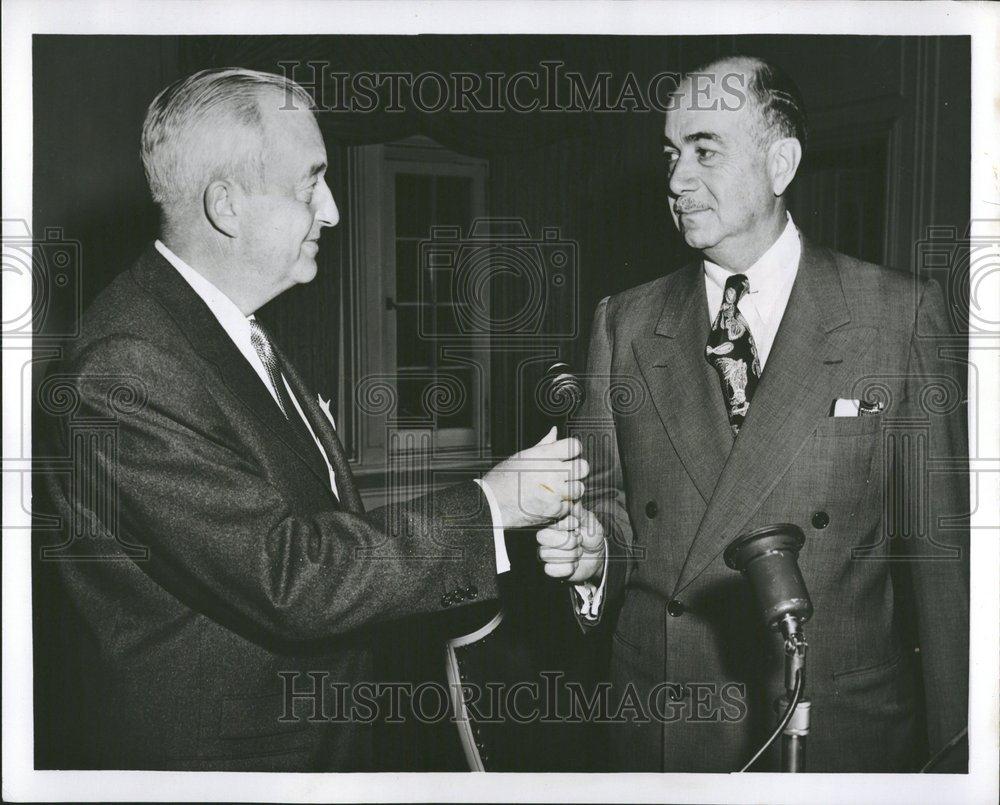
(873, 495)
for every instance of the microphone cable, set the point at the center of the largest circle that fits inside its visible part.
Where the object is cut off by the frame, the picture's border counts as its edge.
(785, 718)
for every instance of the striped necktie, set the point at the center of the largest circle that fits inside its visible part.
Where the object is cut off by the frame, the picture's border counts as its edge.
(347, 488)
(276, 371)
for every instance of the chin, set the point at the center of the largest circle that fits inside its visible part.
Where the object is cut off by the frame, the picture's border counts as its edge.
(699, 239)
(305, 271)
(699, 233)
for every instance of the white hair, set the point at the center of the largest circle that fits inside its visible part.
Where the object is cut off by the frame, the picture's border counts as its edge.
(209, 126)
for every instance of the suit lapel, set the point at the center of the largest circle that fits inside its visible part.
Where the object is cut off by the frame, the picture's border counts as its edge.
(813, 350)
(208, 338)
(346, 487)
(683, 387)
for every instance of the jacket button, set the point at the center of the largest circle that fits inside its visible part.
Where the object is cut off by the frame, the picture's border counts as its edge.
(675, 608)
(651, 509)
(820, 520)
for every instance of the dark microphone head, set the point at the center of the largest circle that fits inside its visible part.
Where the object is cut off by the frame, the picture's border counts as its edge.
(768, 558)
(561, 390)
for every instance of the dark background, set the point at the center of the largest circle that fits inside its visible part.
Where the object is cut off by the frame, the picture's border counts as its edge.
(888, 157)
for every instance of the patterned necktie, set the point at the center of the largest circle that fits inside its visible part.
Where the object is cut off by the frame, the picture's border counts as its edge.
(278, 369)
(733, 353)
(265, 349)
(262, 344)
(347, 488)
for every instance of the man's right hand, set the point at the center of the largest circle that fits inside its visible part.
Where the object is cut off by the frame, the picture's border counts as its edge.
(539, 485)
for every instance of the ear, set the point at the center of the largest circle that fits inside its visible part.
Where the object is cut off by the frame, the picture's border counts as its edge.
(222, 207)
(783, 158)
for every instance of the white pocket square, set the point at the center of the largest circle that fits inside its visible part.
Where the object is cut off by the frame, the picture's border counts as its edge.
(846, 407)
(856, 408)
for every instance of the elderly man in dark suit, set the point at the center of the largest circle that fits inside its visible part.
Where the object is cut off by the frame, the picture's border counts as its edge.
(771, 381)
(241, 556)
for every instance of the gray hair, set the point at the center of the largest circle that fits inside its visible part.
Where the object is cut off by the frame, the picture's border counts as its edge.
(209, 126)
(778, 99)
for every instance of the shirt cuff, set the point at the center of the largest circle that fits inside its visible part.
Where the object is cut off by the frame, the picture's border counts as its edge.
(592, 595)
(499, 543)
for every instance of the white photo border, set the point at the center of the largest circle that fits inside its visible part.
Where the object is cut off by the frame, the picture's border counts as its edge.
(22, 18)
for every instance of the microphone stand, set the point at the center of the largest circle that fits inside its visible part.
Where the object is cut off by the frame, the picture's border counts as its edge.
(767, 558)
(796, 730)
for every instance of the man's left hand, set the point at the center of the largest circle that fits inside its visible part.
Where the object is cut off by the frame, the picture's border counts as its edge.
(572, 549)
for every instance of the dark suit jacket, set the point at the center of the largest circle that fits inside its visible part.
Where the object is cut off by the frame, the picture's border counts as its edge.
(222, 557)
(673, 489)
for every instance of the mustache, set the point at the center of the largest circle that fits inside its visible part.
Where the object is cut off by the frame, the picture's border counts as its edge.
(687, 204)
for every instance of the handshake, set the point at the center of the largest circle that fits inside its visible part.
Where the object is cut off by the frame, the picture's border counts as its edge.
(542, 486)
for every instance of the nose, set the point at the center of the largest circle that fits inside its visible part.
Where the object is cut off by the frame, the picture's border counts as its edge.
(326, 208)
(683, 177)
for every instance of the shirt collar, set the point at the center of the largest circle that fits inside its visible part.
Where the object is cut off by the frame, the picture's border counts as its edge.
(773, 272)
(236, 325)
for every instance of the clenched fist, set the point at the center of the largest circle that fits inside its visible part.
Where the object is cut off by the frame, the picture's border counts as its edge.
(573, 548)
(538, 485)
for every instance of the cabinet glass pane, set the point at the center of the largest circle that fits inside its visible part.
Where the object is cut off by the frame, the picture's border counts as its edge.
(414, 204)
(453, 201)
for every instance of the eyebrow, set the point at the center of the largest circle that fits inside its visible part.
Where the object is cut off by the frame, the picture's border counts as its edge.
(316, 169)
(695, 137)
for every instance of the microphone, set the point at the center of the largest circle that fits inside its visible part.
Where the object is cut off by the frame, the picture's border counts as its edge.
(768, 559)
(561, 391)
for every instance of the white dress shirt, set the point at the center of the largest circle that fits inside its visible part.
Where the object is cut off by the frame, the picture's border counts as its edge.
(771, 279)
(237, 327)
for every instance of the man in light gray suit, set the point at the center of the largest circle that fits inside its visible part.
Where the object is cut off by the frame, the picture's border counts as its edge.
(772, 381)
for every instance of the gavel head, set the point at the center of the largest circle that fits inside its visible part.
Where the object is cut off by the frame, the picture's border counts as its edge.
(768, 558)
